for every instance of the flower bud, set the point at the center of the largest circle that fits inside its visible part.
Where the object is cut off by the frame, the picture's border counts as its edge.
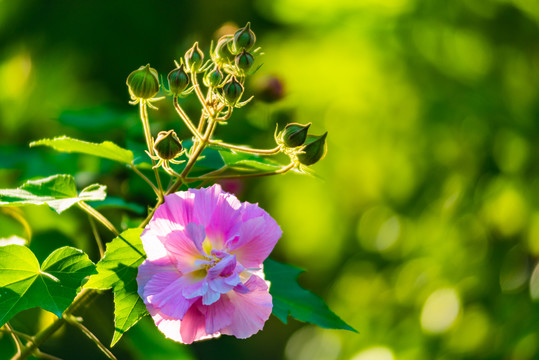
(222, 52)
(194, 58)
(295, 135)
(143, 83)
(213, 78)
(167, 145)
(314, 150)
(178, 80)
(244, 39)
(244, 61)
(232, 91)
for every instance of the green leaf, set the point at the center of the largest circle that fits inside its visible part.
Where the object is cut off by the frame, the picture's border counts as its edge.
(57, 191)
(118, 270)
(291, 299)
(24, 285)
(106, 149)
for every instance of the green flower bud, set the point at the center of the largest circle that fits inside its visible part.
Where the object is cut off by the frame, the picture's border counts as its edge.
(232, 91)
(222, 52)
(244, 61)
(143, 83)
(178, 80)
(167, 145)
(213, 78)
(194, 58)
(314, 150)
(244, 39)
(295, 135)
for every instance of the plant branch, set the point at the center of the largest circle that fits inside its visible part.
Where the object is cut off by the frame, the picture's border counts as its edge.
(241, 176)
(149, 144)
(200, 95)
(18, 343)
(98, 216)
(96, 236)
(186, 119)
(73, 321)
(273, 151)
(139, 173)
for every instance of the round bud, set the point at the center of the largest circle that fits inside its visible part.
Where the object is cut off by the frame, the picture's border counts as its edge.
(167, 145)
(295, 135)
(232, 91)
(178, 80)
(222, 52)
(314, 150)
(244, 39)
(268, 88)
(194, 58)
(244, 61)
(213, 78)
(143, 83)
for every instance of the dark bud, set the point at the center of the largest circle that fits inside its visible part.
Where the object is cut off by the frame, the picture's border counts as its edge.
(232, 91)
(222, 52)
(167, 145)
(194, 58)
(178, 80)
(314, 150)
(213, 78)
(268, 88)
(295, 135)
(244, 61)
(244, 39)
(143, 83)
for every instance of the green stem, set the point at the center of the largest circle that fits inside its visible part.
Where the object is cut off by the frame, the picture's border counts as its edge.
(42, 336)
(96, 236)
(139, 173)
(149, 144)
(73, 321)
(200, 95)
(273, 151)
(98, 216)
(242, 176)
(186, 119)
(18, 343)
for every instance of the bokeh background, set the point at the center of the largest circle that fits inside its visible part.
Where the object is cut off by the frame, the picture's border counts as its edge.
(422, 230)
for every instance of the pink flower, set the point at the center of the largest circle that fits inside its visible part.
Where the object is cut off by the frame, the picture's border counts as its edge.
(203, 273)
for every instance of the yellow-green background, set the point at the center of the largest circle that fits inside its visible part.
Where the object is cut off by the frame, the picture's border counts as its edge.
(423, 229)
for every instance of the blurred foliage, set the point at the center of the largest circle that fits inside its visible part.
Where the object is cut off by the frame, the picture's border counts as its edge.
(423, 233)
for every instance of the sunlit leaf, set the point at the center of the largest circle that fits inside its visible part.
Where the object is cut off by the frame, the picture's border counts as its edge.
(118, 270)
(106, 149)
(291, 299)
(24, 285)
(57, 191)
(245, 161)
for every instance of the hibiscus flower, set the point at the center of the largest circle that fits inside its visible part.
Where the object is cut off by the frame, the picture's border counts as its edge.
(203, 275)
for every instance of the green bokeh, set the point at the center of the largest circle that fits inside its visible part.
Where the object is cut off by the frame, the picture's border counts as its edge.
(423, 232)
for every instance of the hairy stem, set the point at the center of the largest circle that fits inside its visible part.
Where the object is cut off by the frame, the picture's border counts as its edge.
(273, 151)
(96, 236)
(241, 176)
(149, 144)
(139, 173)
(98, 216)
(186, 119)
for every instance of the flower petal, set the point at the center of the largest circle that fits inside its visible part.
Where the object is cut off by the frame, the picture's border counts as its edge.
(186, 246)
(257, 238)
(193, 326)
(251, 310)
(218, 315)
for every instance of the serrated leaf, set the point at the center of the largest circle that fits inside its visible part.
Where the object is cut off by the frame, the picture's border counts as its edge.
(24, 285)
(57, 191)
(291, 299)
(106, 149)
(118, 270)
